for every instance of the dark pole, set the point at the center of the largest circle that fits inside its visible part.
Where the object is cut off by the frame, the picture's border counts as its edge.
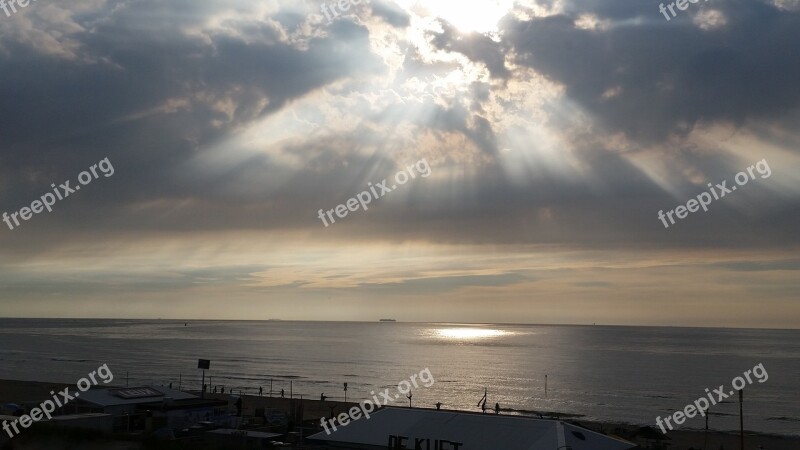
(292, 411)
(741, 420)
(545, 385)
(203, 386)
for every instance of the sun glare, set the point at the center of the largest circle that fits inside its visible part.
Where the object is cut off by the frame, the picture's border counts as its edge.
(479, 17)
(469, 333)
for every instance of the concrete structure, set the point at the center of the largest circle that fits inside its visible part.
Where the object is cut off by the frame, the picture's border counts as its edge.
(151, 407)
(90, 421)
(426, 429)
(94, 421)
(240, 439)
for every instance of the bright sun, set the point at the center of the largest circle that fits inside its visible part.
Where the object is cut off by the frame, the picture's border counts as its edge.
(481, 16)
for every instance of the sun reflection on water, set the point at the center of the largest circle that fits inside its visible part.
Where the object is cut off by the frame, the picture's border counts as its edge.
(463, 333)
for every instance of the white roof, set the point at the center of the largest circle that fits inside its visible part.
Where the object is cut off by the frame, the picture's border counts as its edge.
(473, 431)
(111, 397)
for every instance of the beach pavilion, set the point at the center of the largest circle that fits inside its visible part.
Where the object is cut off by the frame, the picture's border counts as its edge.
(427, 429)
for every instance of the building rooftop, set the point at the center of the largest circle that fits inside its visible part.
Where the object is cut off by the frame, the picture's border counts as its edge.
(248, 433)
(456, 430)
(70, 417)
(132, 396)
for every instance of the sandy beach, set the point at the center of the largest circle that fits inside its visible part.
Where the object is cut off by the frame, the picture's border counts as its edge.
(675, 440)
(308, 411)
(698, 439)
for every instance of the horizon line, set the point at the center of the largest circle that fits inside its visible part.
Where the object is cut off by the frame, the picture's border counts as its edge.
(403, 321)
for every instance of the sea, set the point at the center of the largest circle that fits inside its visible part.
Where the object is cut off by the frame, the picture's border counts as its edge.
(591, 373)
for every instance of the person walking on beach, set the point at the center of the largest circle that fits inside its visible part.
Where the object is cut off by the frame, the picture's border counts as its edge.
(260, 391)
(497, 408)
(322, 397)
(282, 393)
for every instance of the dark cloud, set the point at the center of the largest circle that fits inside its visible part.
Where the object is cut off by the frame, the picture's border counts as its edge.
(155, 99)
(150, 101)
(666, 77)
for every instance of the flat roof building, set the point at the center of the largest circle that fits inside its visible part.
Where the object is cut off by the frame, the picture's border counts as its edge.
(425, 429)
(132, 407)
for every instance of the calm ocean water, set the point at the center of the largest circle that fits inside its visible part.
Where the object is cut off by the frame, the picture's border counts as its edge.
(630, 374)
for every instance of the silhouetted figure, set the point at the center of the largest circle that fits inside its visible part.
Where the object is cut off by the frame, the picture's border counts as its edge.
(222, 389)
(215, 389)
(260, 391)
(497, 408)
(482, 401)
(282, 393)
(438, 405)
(322, 397)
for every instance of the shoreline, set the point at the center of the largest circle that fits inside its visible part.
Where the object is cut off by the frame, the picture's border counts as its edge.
(21, 391)
(678, 439)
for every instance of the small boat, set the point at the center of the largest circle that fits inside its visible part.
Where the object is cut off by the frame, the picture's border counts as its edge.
(388, 320)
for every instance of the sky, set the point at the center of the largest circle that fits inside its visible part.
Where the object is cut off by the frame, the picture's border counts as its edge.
(543, 138)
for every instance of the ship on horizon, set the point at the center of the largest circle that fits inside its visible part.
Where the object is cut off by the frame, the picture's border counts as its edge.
(387, 320)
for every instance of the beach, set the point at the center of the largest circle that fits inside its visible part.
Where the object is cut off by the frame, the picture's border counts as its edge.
(307, 413)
